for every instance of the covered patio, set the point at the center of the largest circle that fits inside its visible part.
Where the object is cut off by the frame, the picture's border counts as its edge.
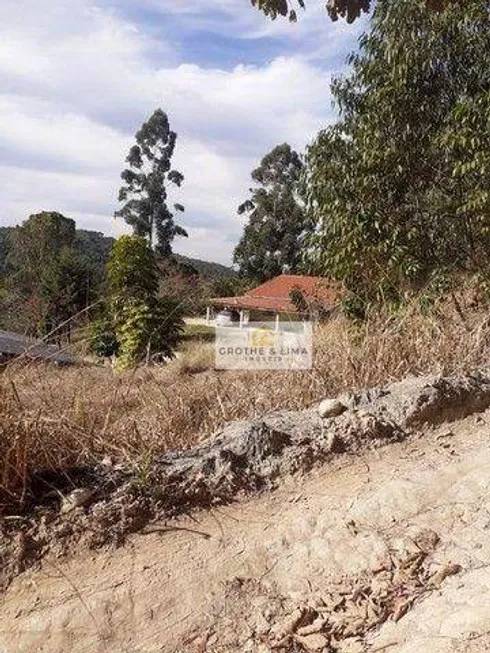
(273, 300)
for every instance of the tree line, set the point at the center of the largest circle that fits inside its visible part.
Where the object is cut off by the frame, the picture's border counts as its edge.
(394, 197)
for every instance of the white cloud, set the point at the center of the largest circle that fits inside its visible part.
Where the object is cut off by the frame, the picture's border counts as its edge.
(29, 190)
(207, 244)
(234, 17)
(59, 140)
(78, 80)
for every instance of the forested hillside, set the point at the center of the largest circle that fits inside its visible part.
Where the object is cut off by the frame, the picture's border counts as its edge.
(206, 269)
(95, 248)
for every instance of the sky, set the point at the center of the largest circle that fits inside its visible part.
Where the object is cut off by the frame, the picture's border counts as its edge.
(79, 77)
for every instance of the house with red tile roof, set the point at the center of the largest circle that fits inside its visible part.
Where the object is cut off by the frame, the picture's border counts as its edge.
(273, 300)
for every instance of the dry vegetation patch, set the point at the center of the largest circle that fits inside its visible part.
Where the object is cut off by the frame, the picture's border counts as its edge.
(66, 418)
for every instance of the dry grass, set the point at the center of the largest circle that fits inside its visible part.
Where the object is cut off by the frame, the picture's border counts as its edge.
(194, 358)
(59, 418)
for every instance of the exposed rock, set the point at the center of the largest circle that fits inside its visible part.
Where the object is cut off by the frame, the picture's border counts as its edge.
(331, 408)
(76, 499)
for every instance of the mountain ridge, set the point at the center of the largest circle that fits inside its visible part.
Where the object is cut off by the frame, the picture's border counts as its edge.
(95, 247)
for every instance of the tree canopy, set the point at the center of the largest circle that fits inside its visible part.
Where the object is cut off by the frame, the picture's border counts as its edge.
(47, 280)
(348, 9)
(272, 238)
(398, 189)
(144, 191)
(144, 324)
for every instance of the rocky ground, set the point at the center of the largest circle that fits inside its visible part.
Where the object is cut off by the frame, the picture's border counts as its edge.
(297, 532)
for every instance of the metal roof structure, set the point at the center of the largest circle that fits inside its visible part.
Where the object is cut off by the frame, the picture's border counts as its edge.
(15, 344)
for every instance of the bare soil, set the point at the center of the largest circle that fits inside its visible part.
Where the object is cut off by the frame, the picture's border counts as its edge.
(380, 549)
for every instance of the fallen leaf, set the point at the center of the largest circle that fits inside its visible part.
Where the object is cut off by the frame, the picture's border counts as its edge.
(449, 569)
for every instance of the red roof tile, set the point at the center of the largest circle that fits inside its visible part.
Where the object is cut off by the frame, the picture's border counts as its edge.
(274, 295)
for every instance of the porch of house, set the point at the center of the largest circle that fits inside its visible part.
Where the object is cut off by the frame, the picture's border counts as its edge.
(272, 301)
(248, 315)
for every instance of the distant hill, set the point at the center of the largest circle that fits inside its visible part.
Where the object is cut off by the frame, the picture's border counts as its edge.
(95, 248)
(92, 245)
(206, 269)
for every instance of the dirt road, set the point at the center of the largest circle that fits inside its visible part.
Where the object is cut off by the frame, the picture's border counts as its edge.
(221, 579)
